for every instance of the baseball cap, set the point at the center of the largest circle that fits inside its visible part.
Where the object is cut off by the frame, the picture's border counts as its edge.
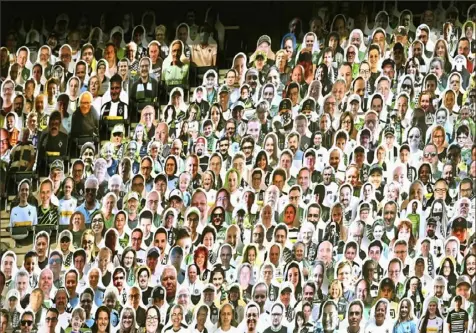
(285, 104)
(387, 282)
(13, 293)
(158, 292)
(57, 164)
(364, 206)
(62, 17)
(463, 279)
(153, 251)
(223, 89)
(238, 104)
(308, 105)
(118, 128)
(398, 46)
(209, 287)
(389, 131)
(376, 168)
(354, 97)
(234, 286)
(401, 31)
(431, 220)
(260, 54)
(286, 287)
(459, 222)
(176, 193)
(133, 195)
(264, 38)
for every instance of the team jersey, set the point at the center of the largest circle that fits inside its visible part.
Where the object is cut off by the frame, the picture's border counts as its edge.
(23, 216)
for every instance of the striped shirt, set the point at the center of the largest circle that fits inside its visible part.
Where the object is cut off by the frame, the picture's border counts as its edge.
(49, 216)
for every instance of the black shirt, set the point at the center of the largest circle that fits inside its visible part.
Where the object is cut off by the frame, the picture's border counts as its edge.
(84, 124)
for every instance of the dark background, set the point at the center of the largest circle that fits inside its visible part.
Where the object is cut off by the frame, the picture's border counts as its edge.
(254, 18)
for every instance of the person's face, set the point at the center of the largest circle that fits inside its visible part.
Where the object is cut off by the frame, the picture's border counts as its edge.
(425, 174)
(451, 249)
(401, 251)
(374, 58)
(274, 254)
(328, 56)
(30, 264)
(176, 52)
(136, 240)
(169, 281)
(430, 155)
(414, 137)
(338, 90)
(463, 48)
(26, 323)
(464, 291)
(340, 143)
(345, 195)
(276, 316)
(280, 237)
(324, 252)
(330, 318)
(449, 101)
(102, 321)
(334, 159)
(390, 214)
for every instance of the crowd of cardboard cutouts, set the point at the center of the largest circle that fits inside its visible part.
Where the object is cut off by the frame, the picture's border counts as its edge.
(155, 186)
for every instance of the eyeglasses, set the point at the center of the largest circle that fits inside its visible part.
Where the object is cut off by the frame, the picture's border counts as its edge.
(427, 155)
(99, 220)
(440, 190)
(26, 322)
(152, 318)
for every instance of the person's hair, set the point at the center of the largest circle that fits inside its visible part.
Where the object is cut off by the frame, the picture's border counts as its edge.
(6, 316)
(100, 309)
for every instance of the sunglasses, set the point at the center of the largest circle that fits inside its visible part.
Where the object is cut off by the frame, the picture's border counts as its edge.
(90, 190)
(65, 240)
(55, 261)
(26, 322)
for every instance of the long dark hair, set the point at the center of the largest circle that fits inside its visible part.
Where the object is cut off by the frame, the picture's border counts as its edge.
(100, 309)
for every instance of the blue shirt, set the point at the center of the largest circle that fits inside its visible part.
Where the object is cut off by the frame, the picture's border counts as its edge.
(87, 213)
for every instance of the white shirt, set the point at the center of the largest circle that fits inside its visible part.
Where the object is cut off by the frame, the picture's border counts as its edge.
(23, 215)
